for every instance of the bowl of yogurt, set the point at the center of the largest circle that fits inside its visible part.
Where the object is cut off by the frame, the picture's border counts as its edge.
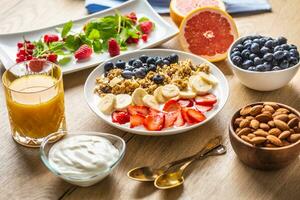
(82, 158)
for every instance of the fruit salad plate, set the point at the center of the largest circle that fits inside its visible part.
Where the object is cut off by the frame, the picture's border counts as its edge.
(156, 92)
(161, 32)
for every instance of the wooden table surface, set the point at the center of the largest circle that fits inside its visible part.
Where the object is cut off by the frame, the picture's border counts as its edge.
(23, 176)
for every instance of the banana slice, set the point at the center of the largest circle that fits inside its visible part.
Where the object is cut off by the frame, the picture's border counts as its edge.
(200, 86)
(137, 96)
(209, 78)
(187, 94)
(158, 95)
(122, 101)
(107, 103)
(191, 79)
(170, 91)
(150, 101)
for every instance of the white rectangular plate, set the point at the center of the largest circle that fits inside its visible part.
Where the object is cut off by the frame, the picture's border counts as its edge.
(163, 32)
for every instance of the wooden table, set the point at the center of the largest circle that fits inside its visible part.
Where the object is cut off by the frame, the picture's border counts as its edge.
(23, 176)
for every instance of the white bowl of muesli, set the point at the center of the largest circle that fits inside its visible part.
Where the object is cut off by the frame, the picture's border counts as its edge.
(156, 91)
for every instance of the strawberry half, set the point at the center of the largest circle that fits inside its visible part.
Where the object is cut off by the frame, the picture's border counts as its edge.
(121, 117)
(141, 110)
(172, 105)
(195, 115)
(185, 102)
(186, 117)
(203, 108)
(146, 27)
(136, 120)
(154, 122)
(83, 52)
(206, 100)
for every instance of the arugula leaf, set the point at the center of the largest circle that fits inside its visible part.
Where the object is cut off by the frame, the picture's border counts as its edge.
(64, 60)
(97, 46)
(66, 28)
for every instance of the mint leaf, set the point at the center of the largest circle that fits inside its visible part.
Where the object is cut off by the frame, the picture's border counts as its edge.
(72, 43)
(64, 60)
(94, 34)
(143, 19)
(53, 46)
(97, 46)
(66, 28)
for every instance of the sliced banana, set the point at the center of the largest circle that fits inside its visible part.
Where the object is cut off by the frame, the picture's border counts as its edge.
(200, 86)
(170, 91)
(158, 95)
(107, 103)
(137, 96)
(115, 81)
(150, 101)
(191, 79)
(122, 101)
(187, 94)
(209, 78)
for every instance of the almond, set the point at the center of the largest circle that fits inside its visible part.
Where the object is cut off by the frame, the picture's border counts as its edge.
(244, 123)
(270, 145)
(292, 115)
(264, 126)
(275, 131)
(255, 110)
(293, 122)
(269, 108)
(245, 110)
(249, 117)
(274, 140)
(246, 138)
(258, 140)
(237, 121)
(271, 124)
(297, 129)
(282, 110)
(281, 125)
(264, 117)
(254, 124)
(285, 143)
(282, 117)
(251, 135)
(294, 137)
(261, 132)
(244, 131)
(284, 135)
(274, 105)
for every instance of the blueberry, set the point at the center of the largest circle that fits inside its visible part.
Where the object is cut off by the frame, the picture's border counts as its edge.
(265, 50)
(267, 66)
(293, 60)
(140, 72)
(120, 64)
(268, 57)
(278, 55)
(237, 53)
(285, 46)
(294, 53)
(156, 58)
(278, 48)
(276, 68)
(245, 53)
(137, 64)
(260, 68)
(269, 44)
(287, 54)
(246, 64)
(274, 62)
(252, 68)
(262, 41)
(247, 41)
(143, 58)
(240, 47)
(237, 60)
(247, 45)
(275, 43)
(235, 49)
(254, 48)
(166, 62)
(130, 62)
(257, 61)
(173, 58)
(127, 74)
(150, 60)
(256, 40)
(284, 64)
(152, 67)
(281, 40)
(129, 68)
(159, 63)
(252, 56)
(158, 79)
(108, 66)
(292, 46)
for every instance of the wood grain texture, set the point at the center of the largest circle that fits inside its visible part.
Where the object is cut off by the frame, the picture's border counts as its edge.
(22, 175)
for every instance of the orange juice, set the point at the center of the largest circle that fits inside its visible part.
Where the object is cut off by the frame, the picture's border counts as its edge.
(36, 115)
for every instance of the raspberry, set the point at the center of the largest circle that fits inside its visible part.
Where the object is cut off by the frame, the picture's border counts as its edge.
(20, 45)
(145, 37)
(29, 57)
(36, 65)
(113, 47)
(50, 38)
(83, 52)
(52, 57)
(132, 16)
(146, 27)
(30, 46)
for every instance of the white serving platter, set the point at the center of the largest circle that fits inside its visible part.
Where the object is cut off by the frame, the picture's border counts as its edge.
(221, 91)
(163, 32)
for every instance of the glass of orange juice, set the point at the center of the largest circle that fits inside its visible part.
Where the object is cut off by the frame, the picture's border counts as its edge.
(35, 101)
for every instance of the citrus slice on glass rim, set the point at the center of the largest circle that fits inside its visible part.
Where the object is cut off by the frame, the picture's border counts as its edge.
(208, 32)
(180, 8)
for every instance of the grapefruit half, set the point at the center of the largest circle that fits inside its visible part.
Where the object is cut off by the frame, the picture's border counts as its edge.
(180, 8)
(208, 32)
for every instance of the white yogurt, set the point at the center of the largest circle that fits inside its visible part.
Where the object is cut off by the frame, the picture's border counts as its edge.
(81, 157)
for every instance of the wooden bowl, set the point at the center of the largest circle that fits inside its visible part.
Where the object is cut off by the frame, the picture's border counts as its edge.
(265, 158)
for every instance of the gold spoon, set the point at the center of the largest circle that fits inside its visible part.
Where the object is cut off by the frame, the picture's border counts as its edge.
(174, 179)
(149, 174)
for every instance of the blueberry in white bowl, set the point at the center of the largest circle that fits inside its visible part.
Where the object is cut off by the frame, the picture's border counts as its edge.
(263, 63)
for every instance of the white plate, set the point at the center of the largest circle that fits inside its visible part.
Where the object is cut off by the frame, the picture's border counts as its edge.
(163, 32)
(221, 91)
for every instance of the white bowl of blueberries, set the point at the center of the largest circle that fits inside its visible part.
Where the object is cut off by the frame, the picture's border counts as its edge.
(263, 63)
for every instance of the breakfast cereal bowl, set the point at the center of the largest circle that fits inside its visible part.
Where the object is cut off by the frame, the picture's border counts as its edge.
(261, 80)
(219, 92)
(265, 156)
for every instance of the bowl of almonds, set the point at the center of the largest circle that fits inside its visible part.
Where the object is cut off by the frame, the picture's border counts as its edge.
(266, 135)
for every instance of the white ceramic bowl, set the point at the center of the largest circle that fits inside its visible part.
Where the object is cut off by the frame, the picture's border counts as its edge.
(262, 81)
(221, 91)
